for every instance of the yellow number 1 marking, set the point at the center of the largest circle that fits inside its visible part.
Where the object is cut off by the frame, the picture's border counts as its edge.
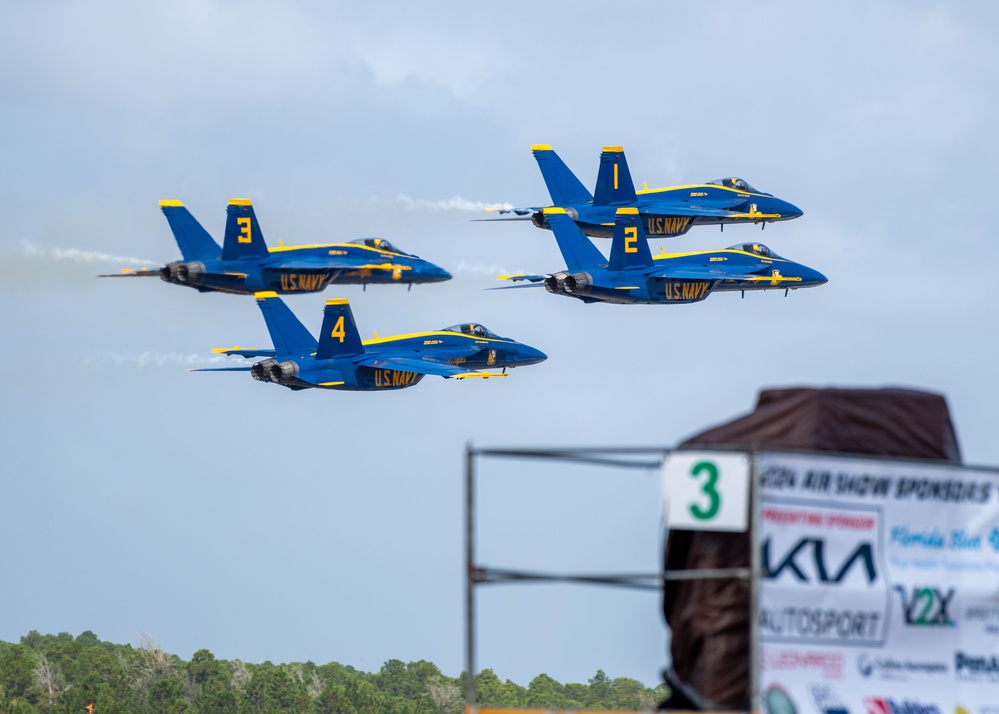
(244, 230)
(338, 331)
(630, 239)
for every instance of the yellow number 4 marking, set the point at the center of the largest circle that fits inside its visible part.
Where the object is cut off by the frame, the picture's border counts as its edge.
(244, 230)
(338, 331)
(630, 239)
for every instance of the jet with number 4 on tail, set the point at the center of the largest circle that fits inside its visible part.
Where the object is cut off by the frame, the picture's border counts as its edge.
(340, 360)
(245, 265)
(664, 212)
(632, 275)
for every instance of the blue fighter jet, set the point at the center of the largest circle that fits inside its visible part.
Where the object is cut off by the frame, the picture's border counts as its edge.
(245, 265)
(340, 360)
(633, 275)
(669, 211)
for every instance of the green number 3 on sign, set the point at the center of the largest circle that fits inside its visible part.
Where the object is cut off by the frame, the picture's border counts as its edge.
(709, 489)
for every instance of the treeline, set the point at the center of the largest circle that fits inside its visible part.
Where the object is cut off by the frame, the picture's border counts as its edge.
(44, 674)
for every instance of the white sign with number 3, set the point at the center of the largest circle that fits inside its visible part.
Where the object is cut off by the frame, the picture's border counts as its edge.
(706, 490)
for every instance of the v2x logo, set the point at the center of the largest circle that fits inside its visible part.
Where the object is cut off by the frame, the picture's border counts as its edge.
(925, 606)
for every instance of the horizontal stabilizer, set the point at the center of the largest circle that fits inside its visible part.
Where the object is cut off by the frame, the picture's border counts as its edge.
(220, 369)
(129, 273)
(500, 220)
(238, 351)
(520, 211)
(519, 277)
(517, 286)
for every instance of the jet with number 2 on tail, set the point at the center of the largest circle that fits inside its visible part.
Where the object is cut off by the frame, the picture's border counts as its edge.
(632, 275)
(340, 360)
(245, 265)
(665, 212)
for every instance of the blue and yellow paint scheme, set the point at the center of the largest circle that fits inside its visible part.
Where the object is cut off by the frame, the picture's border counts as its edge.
(245, 265)
(664, 212)
(339, 359)
(633, 275)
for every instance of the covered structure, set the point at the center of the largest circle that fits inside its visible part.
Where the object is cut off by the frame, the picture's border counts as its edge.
(709, 619)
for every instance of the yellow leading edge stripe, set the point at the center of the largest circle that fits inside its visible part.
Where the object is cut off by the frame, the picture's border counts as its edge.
(612, 149)
(540, 147)
(170, 202)
(263, 295)
(553, 210)
(627, 211)
(337, 301)
(240, 202)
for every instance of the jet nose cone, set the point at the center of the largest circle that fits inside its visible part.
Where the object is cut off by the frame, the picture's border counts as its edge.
(813, 278)
(437, 274)
(530, 355)
(788, 211)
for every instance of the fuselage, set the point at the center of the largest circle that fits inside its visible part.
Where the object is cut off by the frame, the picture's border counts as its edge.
(471, 351)
(717, 205)
(750, 267)
(305, 269)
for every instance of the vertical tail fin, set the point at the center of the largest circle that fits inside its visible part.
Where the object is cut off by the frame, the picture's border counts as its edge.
(243, 237)
(562, 184)
(614, 184)
(576, 248)
(193, 240)
(629, 248)
(339, 336)
(288, 334)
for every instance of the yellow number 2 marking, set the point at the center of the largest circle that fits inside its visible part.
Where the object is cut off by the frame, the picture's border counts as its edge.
(338, 331)
(244, 230)
(630, 239)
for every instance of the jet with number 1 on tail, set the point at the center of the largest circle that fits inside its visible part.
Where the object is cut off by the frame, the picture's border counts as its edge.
(665, 212)
(245, 265)
(340, 360)
(632, 275)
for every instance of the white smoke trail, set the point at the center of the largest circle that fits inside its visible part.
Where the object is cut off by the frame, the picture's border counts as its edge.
(81, 256)
(163, 359)
(478, 269)
(455, 203)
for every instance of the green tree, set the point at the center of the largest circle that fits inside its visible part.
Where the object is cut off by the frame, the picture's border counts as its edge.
(491, 692)
(545, 693)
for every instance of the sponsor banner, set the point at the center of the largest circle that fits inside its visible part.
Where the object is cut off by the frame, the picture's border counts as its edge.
(879, 586)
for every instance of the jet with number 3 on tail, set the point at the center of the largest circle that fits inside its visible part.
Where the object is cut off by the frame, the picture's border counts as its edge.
(245, 265)
(664, 212)
(340, 360)
(632, 275)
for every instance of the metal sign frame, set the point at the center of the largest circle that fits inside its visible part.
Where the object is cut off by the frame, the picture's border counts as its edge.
(642, 458)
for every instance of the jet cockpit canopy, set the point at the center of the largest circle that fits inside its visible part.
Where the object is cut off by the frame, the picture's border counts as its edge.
(380, 244)
(472, 328)
(757, 248)
(737, 183)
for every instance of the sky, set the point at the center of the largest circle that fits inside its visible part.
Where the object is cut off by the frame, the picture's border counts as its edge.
(207, 510)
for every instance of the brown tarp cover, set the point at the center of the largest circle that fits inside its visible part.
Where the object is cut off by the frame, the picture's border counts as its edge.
(709, 619)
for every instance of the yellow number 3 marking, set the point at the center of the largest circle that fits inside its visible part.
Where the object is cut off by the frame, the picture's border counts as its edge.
(338, 331)
(244, 230)
(630, 239)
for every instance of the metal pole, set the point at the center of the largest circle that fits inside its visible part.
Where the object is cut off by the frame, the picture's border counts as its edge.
(469, 579)
(754, 583)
